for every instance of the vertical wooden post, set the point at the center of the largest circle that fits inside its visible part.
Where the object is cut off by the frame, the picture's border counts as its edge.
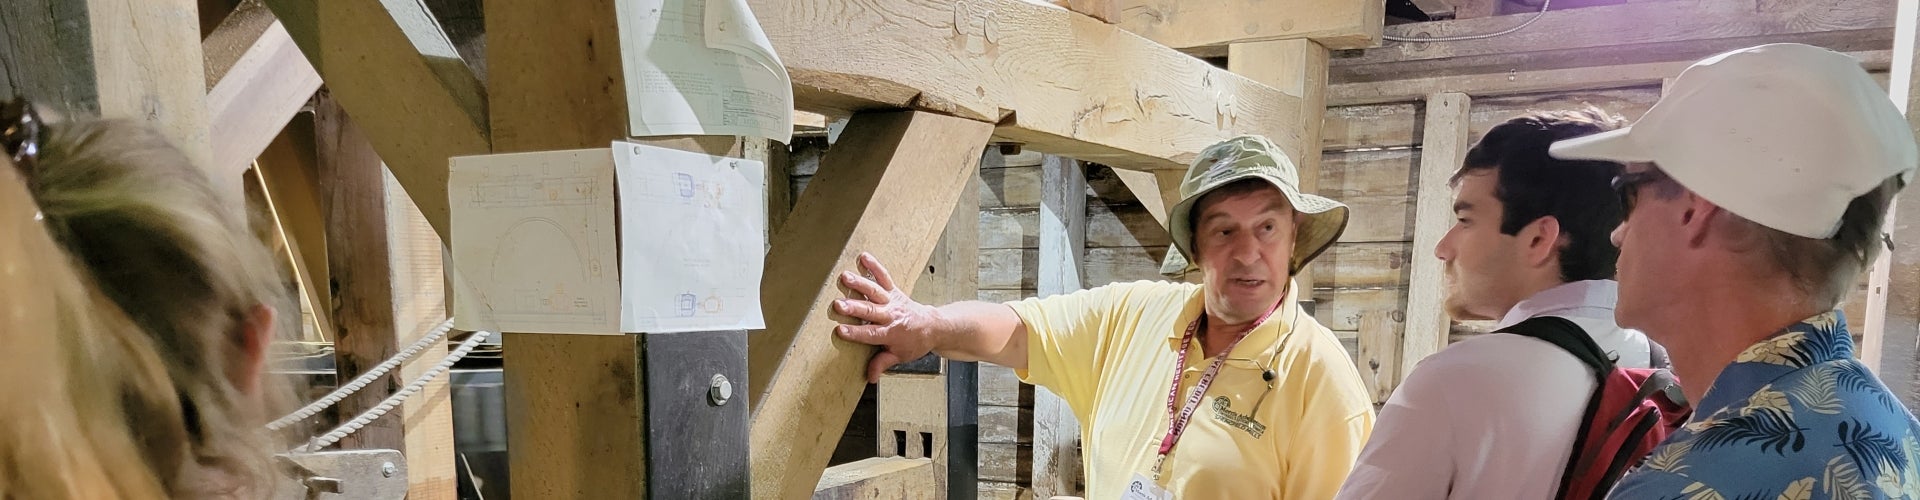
(779, 185)
(1379, 357)
(117, 59)
(1442, 149)
(388, 291)
(1890, 334)
(1063, 242)
(577, 405)
(1001, 447)
(1297, 68)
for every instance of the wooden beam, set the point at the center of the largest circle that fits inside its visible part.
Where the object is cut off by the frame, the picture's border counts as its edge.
(1063, 225)
(1379, 354)
(779, 186)
(130, 60)
(596, 451)
(390, 65)
(1618, 34)
(1063, 246)
(1299, 69)
(288, 171)
(1104, 10)
(1444, 149)
(268, 226)
(809, 122)
(1472, 9)
(1189, 24)
(1536, 81)
(1055, 80)
(914, 405)
(256, 81)
(232, 35)
(576, 404)
(886, 188)
(1158, 190)
(1435, 8)
(389, 291)
(884, 477)
(1146, 187)
(998, 413)
(1891, 331)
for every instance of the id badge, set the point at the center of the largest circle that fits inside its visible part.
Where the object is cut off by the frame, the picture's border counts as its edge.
(1142, 488)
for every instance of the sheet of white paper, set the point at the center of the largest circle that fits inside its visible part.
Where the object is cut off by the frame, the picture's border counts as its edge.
(692, 240)
(533, 242)
(701, 67)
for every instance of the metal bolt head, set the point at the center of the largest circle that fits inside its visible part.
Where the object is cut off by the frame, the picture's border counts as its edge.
(387, 469)
(720, 390)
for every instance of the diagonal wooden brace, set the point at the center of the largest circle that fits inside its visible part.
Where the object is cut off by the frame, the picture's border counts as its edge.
(886, 188)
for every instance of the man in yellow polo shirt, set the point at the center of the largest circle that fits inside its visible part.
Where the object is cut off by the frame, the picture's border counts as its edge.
(1265, 404)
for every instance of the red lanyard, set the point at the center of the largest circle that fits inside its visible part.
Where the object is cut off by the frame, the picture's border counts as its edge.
(1178, 425)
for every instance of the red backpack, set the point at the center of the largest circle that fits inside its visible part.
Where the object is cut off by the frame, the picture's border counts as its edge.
(1630, 412)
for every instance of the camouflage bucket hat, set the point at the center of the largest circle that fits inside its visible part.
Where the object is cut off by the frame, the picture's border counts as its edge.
(1252, 157)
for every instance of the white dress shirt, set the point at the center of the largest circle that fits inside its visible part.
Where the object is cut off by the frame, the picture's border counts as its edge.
(1493, 416)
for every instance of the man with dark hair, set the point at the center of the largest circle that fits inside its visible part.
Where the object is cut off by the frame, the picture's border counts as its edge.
(1497, 416)
(1225, 389)
(1755, 191)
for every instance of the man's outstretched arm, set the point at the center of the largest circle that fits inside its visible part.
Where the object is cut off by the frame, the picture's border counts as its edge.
(905, 330)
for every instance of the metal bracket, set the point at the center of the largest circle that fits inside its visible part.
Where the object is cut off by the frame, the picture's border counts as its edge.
(696, 420)
(343, 474)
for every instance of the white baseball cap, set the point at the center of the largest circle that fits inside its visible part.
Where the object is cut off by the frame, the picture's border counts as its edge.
(1785, 135)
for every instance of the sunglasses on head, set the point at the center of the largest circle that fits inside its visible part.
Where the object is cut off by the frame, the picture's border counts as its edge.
(20, 133)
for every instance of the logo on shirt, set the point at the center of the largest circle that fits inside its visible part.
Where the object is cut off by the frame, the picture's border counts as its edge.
(1223, 411)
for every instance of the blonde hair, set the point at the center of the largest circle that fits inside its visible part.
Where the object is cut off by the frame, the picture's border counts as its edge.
(70, 359)
(147, 228)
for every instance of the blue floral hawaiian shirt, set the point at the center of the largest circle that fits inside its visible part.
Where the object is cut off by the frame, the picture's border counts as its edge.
(1795, 417)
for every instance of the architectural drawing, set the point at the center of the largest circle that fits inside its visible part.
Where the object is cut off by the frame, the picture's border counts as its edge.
(534, 240)
(692, 240)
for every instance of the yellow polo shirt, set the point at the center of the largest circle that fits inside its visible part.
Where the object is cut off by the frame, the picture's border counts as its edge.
(1110, 353)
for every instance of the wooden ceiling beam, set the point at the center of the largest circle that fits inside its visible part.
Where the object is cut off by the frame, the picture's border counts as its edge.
(393, 69)
(1617, 35)
(1523, 82)
(1213, 24)
(257, 80)
(1055, 80)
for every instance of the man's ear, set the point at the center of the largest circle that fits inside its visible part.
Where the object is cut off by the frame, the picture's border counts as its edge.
(1541, 237)
(1697, 219)
(255, 335)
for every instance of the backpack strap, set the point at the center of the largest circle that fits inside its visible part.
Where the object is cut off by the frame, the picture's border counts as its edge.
(1569, 337)
(1574, 340)
(1657, 356)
